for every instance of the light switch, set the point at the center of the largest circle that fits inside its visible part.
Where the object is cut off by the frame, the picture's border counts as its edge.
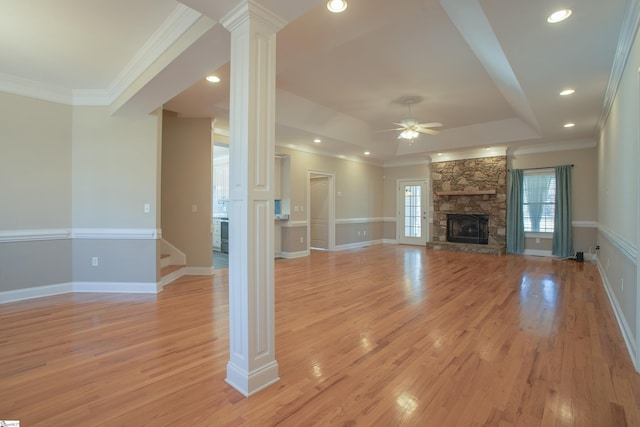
(147, 208)
(194, 208)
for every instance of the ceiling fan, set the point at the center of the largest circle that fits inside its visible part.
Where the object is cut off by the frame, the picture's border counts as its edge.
(412, 128)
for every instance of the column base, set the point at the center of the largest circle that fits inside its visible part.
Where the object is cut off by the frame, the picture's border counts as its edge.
(249, 383)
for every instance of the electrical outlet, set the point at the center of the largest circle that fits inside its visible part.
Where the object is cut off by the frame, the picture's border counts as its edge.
(358, 234)
(194, 208)
(94, 261)
(537, 240)
(301, 239)
(364, 233)
(296, 208)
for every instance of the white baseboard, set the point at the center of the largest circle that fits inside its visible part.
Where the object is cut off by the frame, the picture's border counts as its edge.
(358, 245)
(35, 292)
(290, 255)
(390, 241)
(536, 252)
(117, 287)
(65, 288)
(199, 271)
(626, 331)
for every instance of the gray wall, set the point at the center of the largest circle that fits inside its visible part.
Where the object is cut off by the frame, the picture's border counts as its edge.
(35, 189)
(76, 181)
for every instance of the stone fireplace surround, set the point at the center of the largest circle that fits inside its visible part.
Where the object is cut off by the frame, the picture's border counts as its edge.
(470, 186)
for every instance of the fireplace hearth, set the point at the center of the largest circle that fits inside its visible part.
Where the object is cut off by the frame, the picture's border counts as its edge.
(465, 228)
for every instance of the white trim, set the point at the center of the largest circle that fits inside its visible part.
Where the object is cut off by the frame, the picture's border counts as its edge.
(407, 162)
(390, 241)
(35, 292)
(357, 245)
(291, 255)
(620, 243)
(293, 224)
(7, 236)
(538, 235)
(174, 275)
(537, 252)
(249, 383)
(33, 89)
(359, 220)
(630, 22)
(199, 271)
(116, 233)
(627, 334)
(118, 287)
(176, 256)
(176, 24)
(579, 144)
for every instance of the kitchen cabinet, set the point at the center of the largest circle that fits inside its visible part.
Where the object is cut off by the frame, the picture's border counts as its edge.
(217, 234)
(277, 179)
(221, 182)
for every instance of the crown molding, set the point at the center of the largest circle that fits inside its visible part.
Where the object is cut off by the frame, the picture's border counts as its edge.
(251, 9)
(580, 144)
(176, 24)
(626, 38)
(33, 89)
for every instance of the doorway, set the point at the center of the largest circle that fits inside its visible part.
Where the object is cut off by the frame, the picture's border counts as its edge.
(320, 212)
(412, 212)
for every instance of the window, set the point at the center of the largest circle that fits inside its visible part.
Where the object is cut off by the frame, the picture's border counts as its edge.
(539, 200)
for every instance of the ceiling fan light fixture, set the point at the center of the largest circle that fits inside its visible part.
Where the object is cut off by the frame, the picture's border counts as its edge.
(337, 6)
(408, 134)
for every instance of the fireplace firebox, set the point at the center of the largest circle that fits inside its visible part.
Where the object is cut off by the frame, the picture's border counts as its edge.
(468, 228)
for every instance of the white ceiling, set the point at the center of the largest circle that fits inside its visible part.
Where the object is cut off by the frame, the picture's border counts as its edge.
(489, 70)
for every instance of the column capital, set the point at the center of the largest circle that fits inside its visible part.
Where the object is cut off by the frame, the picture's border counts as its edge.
(251, 10)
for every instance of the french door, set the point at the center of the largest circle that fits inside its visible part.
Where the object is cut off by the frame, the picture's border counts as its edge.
(412, 212)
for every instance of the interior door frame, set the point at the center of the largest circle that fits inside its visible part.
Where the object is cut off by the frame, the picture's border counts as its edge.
(331, 216)
(426, 199)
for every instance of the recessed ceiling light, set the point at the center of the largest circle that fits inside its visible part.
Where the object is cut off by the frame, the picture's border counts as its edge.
(559, 16)
(317, 140)
(567, 92)
(569, 125)
(366, 153)
(487, 148)
(439, 154)
(213, 79)
(337, 6)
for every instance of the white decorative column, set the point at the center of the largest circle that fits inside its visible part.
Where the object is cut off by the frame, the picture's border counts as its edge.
(252, 365)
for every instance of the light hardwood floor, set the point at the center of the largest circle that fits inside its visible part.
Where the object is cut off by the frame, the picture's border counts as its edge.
(386, 335)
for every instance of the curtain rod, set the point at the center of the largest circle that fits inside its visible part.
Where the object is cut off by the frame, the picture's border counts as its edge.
(530, 169)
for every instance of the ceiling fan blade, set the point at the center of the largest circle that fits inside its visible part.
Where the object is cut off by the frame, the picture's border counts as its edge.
(430, 125)
(426, 130)
(389, 130)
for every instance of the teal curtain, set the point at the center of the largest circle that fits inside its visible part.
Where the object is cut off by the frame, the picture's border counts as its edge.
(562, 239)
(515, 219)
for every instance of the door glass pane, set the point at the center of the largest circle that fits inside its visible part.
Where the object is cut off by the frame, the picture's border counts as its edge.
(412, 211)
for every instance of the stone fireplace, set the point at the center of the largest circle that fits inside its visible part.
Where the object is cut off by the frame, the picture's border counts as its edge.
(470, 189)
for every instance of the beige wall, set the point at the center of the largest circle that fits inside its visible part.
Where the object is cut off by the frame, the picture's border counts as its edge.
(618, 215)
(186, 181)
(114, 169)
(360, 184)
(35, 163)
(584, 197)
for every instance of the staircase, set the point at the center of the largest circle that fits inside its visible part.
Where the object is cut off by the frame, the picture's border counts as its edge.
(172, 264)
